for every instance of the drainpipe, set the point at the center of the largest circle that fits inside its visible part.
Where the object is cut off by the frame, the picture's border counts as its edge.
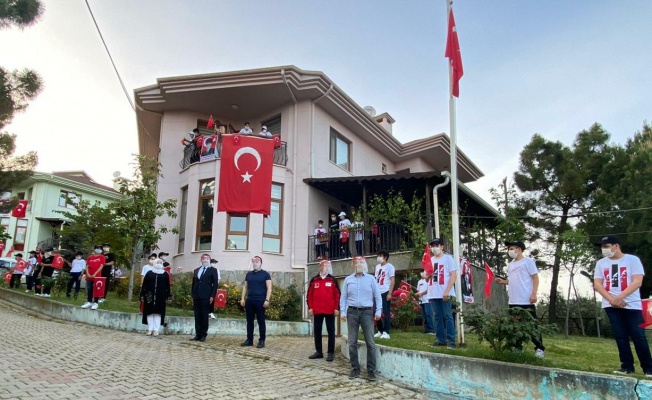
(435, 200)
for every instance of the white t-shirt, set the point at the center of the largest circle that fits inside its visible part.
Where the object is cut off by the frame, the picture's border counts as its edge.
(344, 224)
(246, 131)
(617, 276)
(383, 274)
(359, 230)
(422, 286)
(78, 265)
(519, 275)
(442, 268)
(146, 269)
(319, 232)
(31, 262)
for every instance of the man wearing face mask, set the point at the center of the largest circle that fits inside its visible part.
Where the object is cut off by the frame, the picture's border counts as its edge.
(151, 260)
(94, 265)
(618, 277)
(522, 285)
(384, 274)
(320, 246)
(360, 293)
(76, 269)
(204, 288)
(256, 295)
(344, 224)
(46, 269)
(107, 268)
(441, 287)
(334, 246)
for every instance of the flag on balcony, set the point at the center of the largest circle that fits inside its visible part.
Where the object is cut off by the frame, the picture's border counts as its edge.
(467, 281)
(489, 275)
(20, 210)
(245, 175)
(454, 54)
(210, 123)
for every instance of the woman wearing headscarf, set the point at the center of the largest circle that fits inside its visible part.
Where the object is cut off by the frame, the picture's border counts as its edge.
(155, 293)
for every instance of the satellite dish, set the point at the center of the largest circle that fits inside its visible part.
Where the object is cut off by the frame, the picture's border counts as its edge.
(370, 110)
(116, 174)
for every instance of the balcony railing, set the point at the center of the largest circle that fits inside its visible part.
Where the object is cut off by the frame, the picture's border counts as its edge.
(192, 155)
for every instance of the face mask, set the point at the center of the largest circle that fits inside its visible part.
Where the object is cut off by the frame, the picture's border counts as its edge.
(320, 225)
(512, 254)
(333, 218)
(78, 258)
(607, 253)
(98, 251)
(257, 266)
(423, 274)
(106, 249)
(164, 259)
(436, 250)
(151, 262)
(380, 259)
(205, 263)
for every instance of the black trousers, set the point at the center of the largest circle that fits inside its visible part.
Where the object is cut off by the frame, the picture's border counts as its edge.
(531, 308)
(330, 328)
(201, 307)
(47, 273)
(106, 273)
(254, 308)
(15, 281)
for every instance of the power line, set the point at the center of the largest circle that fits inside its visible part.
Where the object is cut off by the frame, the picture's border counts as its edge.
(559, 216)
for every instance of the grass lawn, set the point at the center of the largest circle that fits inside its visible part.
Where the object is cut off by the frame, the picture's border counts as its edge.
(576, 352)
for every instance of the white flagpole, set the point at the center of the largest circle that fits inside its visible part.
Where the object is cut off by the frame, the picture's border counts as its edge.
(454, 200)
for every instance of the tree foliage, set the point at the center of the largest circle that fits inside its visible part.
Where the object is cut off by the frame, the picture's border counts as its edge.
(19, 13)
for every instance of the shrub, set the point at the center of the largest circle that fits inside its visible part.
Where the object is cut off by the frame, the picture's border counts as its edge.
(404, 309)
(121, 287)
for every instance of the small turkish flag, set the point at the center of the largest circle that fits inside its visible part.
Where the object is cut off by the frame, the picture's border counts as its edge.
(345, 236)
(220, 298)
(277, 141)
(647, 313)
(7, 278)
(99, 287)
(489, 275)
(21, 266)
(20, 210)
(404, 286)
(246, 175)
(57, 261)
(426, 262)
(210, 123)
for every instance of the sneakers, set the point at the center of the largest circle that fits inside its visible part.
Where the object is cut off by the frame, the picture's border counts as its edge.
(87, 305)
(539, 353)
(378, 334)
(430, 333)
(149, 333)
(385, 335)
(623, 371)
(648, 374)
(46, 295)
(315, 356)
(354, 374)
(94, 306)
(155, 333)
(451, 347)
(38, 294)
(101, 300)
(27, 291)
(211, 316)
(371, 376)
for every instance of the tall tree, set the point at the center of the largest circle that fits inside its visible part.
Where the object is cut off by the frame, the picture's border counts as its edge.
(558, 182)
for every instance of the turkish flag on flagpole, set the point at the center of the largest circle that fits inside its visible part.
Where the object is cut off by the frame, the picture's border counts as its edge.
(246, 174)
(489, 275)
(20, 210)
(454, 54)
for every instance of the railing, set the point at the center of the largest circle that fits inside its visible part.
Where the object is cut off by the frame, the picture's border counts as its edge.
(389, 237)
(192, 155)
(52, 242)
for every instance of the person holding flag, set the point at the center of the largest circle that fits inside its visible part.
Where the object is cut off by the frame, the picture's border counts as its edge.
(94, 265)
(107, 269)
(47, 270)
(618, 277)
(29, 271)
(203, 291)
(17, 271)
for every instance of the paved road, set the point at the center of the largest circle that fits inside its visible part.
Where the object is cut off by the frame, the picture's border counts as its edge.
(43, 358)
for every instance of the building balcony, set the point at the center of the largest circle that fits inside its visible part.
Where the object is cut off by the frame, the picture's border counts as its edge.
(192, 155)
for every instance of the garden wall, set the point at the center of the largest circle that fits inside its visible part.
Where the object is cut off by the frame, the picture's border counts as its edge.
(472, 378)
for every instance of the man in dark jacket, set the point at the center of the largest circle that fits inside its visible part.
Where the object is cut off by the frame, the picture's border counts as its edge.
(323, 302)
(204, 288)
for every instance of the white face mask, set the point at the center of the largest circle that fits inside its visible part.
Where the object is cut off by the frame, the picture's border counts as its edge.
(98, 251)
(77, 257)
(608, 253)
(164, 258)
(257, 266)
(106, 249)
(512, 254)
(423, 275)
(436, 250)
(151, 262)
(380, 259)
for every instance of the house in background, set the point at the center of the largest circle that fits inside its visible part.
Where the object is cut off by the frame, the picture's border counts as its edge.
(46, 194)
(335, 155)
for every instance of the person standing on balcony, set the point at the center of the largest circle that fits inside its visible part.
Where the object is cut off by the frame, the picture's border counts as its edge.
(358, 232)
(256, 295)
(344, 225)
(618, 277)
(323, 300)
(320, 245)
(334, 246)
(385, 278)
(441, 289)
(246, 130)
(264, 132)
(107, 268)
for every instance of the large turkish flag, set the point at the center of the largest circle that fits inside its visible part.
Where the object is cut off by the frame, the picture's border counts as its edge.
(20, 210)
(246, 174)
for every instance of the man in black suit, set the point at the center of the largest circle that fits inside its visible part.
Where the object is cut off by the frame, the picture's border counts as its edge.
(204, 288)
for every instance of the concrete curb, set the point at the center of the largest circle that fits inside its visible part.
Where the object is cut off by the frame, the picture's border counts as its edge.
(133, 322)
(474, 378)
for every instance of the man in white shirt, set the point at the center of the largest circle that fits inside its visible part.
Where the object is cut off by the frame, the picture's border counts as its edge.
(320, 244)
(618, 277)
(384, 274)
(440, 289)
(522, 285)
(246, 130)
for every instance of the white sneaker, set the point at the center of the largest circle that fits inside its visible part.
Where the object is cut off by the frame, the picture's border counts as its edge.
(100, 301)
(27, 291)
(38, 294)
(87, 305)
(211, 316)
(539, 353)
(94, 306)
(377, 335)
(385, 335)
(46, 295)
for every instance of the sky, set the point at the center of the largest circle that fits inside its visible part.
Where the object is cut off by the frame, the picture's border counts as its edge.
(553, 68)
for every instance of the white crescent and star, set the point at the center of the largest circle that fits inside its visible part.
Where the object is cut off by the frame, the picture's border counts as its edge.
(242, 151)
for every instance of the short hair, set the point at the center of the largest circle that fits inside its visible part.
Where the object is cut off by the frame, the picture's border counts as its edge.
(258, 257)
(153, 255)
(196, 130)
(383, 253)
(247, 123)
(205, 255)
(320, 222)
(161, 254)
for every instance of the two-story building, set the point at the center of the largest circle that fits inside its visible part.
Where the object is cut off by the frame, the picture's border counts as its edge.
(46, 195)
(335, 155)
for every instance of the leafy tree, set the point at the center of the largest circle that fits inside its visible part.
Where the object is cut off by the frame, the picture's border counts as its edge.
(558, 183)
(19, 13)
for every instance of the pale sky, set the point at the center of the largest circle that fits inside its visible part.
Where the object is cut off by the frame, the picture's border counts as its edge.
(552, 67)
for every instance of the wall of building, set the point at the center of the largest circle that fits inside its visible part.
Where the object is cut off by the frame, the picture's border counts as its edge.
(415, 165)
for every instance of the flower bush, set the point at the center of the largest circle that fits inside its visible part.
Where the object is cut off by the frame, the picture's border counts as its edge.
(405, 308)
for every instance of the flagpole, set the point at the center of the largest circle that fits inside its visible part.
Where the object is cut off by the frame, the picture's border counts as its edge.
(454, 200)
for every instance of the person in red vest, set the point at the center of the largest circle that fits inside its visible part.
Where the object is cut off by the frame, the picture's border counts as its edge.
(94, 264)
(323, 303)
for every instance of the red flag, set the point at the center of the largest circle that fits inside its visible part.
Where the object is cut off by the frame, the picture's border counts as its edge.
(10, 252)
(210, 123)
(21, 266)
(246, 175)
(220, 298)
(489, 275)
(57, 261)
(454, 54)
(647, 313)
(99, 286)
(277, 140)
(20, 209)
(7, 278)
(426, 262)
(404, 286)
(2, 248)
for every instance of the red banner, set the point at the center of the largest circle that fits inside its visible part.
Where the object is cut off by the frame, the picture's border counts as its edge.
(246, 174)
(489, 276)
(208, 148)
(99, 286)
(220, 298)
(57, 261)
(647, 313)
(20, 210)
(21, 266)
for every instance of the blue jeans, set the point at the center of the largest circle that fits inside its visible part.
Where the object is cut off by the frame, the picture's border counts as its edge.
(426, 315)
(356, 318)
(385, 323)
(444, 321)
(625, 325)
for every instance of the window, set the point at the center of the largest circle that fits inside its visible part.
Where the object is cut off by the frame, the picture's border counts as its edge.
(205, 215)
(68, 199)
(273, 223)
(339, 150)
(182, 220)
(273, 125)
(237, 232)
(20, 235)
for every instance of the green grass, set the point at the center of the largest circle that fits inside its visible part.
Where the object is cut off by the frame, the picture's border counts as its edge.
(575, 353)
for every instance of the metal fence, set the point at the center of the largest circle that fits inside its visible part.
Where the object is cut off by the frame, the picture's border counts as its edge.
(192, 155)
